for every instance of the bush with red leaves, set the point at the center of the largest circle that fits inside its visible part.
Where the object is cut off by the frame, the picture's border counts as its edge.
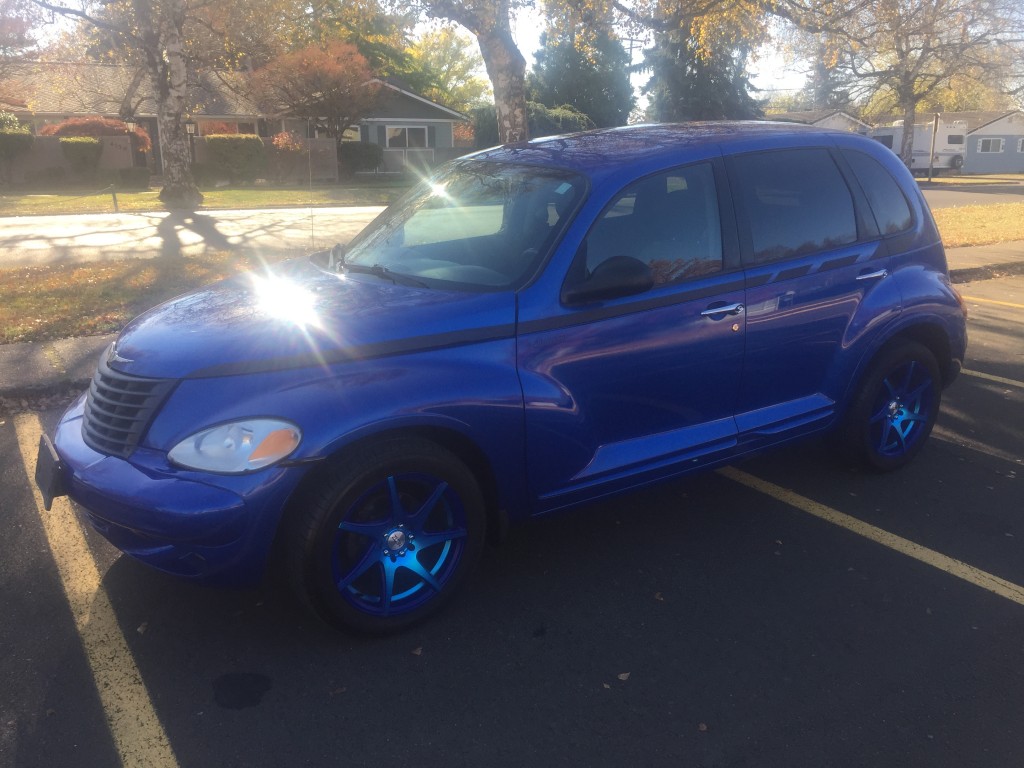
(96, 127)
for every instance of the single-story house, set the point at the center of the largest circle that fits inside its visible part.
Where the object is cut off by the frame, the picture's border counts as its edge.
(981, 142)
(995, 141)
(413, 130)
(823, 118)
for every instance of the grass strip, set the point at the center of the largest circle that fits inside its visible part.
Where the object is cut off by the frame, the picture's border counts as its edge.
(62, 301)
(85, 201)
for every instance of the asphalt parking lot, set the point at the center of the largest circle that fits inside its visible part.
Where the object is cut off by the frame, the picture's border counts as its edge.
(790, 611)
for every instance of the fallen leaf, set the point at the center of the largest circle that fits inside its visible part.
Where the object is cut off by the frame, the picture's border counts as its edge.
(142, 628)
(659, 596)
(702, 727)
(606, 685)
(417, 651)
(336, 691)
(624, 676)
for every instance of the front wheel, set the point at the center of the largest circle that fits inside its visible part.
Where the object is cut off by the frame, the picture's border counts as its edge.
(896, 408)
(389, 538)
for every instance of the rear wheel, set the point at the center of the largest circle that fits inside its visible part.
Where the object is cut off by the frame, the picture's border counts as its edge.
(387, 540)
(894, 413)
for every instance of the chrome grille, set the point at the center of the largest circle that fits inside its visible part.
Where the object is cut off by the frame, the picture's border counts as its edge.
(119, 408)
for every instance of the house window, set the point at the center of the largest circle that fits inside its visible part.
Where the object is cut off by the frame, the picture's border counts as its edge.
(990, 145)
(411, 137)
(1020, 145)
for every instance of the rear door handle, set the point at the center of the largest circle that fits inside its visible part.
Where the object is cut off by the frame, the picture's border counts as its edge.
(879, 275)
(725, 309)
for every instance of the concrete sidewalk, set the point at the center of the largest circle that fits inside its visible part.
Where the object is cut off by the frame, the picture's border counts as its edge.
(41, 369)
(39, 240)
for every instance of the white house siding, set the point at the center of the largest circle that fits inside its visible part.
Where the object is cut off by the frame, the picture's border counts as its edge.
(1010, 129)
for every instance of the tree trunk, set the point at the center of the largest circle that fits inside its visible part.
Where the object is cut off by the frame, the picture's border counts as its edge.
(506, 68)
(907, 143)
(169, 73)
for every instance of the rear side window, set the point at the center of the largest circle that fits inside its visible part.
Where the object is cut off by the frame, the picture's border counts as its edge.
(797, 203)
(892, 213)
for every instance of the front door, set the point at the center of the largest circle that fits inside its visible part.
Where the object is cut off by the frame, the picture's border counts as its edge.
(627, 390)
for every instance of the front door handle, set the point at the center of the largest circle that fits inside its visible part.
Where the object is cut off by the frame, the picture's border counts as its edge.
(725, 309)
(879, 275)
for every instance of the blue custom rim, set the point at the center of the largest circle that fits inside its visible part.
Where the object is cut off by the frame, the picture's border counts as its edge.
(902, 409)
(398, 544)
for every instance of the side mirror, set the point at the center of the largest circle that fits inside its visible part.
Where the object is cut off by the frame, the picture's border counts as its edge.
(613, 278)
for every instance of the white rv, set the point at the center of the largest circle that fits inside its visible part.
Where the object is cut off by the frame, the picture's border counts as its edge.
(950, 143)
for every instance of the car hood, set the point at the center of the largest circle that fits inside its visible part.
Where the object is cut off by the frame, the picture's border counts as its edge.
(300, 315)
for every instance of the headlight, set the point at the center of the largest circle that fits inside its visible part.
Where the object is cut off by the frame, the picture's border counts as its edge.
(237, 447)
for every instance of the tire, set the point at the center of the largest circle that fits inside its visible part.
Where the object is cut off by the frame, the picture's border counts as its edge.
(956, 162)
(389, 538)
(895, 409)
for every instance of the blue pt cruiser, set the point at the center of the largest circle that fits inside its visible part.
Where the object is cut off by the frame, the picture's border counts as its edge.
(536, 326)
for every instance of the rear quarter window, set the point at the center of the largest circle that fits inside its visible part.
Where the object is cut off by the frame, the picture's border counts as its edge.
(888, 203)
(796, 201)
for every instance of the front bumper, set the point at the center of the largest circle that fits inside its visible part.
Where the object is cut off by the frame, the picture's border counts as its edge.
(199, 526)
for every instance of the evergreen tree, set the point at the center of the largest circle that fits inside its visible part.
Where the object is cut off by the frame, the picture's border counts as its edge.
(594, 81)
(689, 85)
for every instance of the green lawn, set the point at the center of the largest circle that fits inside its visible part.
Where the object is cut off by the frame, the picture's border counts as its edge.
(370, 192)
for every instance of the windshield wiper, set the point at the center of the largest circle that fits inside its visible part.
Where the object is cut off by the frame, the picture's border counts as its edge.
(379, 270)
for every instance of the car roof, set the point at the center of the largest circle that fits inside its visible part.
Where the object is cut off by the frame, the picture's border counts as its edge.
(606, 151)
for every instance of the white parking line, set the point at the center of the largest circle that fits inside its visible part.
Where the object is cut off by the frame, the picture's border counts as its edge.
(134, 726)
(946, 436)
(961, 570)
(996, 379)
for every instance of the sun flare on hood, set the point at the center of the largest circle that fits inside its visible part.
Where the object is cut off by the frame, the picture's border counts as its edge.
(284, 299)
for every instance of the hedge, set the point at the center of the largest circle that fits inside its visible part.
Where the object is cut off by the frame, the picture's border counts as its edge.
(239, 157)
(359, 156)
(82, 153)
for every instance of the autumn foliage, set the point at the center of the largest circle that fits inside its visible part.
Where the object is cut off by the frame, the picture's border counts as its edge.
(329, 84)
(97, 127)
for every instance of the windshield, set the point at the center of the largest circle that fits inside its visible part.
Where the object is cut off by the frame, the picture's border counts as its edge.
(476, 224)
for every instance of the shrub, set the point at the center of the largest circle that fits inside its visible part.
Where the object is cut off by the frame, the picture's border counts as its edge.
(96, 127)
(83, 154)
(240, 156)
(359, 156)
(542, 121)
(13, 142)
(8, 121)
(286, 153)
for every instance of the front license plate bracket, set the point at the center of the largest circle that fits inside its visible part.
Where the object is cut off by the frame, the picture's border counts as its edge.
(49, 472)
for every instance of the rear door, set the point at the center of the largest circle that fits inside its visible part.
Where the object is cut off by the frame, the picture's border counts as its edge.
(816, 271)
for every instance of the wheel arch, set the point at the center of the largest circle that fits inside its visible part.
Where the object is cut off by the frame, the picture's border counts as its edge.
(465, 449)
(935, 339)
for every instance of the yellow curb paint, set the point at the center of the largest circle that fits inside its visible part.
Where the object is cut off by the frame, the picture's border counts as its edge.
(961, 570)
(996, 379)
(992, 301)
(137, 732)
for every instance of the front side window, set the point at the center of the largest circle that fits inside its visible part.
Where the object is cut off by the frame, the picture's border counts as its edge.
(407, 137)
(670, 222)
(478, 224)
(990, 146)
(796, 201)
